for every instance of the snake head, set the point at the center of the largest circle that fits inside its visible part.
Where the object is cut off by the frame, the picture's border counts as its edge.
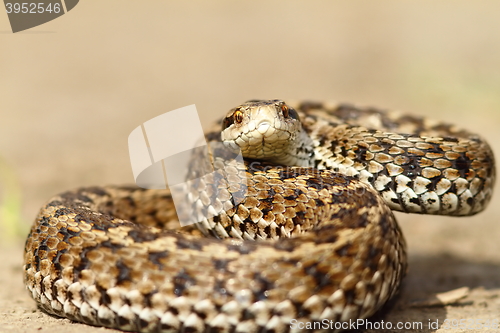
(268, 130)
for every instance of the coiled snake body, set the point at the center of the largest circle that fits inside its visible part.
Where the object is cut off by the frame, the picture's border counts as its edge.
(321, 183)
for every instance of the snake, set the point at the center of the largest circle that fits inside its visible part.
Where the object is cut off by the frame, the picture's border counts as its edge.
(311, 242)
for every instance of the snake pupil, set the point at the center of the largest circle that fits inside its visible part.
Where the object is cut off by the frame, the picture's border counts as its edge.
(235, 117)
(238, 116)
(285, 109)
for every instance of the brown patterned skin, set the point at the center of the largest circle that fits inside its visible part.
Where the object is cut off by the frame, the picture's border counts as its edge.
(329, 246)
(449, 170)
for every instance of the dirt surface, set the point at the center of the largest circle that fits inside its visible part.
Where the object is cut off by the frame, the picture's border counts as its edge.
(74, 88)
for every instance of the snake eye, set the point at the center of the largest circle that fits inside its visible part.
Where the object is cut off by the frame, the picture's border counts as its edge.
(238, 116)
(285, 109)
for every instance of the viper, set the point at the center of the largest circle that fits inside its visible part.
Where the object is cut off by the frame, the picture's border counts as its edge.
(312, 235)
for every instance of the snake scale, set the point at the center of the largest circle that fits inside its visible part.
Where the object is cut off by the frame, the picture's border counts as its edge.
(322, 181)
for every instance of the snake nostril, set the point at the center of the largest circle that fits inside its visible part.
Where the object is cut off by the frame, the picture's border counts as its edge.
(263, 126)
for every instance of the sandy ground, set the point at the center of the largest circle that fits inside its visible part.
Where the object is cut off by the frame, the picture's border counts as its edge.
(74, 88)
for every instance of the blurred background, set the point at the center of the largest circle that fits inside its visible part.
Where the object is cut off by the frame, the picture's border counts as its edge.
(74, 88)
